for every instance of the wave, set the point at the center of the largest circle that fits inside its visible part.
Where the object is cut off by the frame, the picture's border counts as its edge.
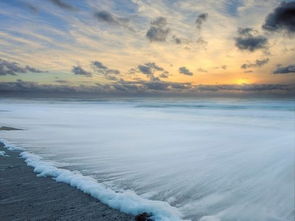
(290, 107)
(127, 201)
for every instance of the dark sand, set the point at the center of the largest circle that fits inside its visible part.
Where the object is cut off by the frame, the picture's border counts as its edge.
(24, 196)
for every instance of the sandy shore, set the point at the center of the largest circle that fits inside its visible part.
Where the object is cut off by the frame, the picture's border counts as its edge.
(24, 196)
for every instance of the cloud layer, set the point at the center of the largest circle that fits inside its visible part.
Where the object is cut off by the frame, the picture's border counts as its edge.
(144, 88)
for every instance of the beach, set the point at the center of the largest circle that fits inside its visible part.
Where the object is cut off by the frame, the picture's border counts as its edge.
(24, 196)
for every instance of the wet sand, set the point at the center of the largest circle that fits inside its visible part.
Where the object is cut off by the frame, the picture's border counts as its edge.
(24, 196)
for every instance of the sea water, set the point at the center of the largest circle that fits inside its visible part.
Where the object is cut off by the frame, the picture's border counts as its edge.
(195, 159)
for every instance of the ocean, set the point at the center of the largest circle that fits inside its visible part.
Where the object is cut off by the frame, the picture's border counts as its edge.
(180, 159)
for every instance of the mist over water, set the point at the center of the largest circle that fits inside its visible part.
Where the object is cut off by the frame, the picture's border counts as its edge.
(212, 160)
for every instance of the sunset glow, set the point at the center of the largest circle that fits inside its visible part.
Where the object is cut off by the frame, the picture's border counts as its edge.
(145, 47)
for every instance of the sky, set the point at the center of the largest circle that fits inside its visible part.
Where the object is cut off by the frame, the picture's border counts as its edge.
(134, 47)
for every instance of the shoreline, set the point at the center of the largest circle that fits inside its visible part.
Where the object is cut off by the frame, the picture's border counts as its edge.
(23, 195)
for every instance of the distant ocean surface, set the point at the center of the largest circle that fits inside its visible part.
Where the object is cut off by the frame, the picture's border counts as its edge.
(214, 159)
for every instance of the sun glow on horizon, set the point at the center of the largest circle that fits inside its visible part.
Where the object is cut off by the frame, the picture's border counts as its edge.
(242, 81)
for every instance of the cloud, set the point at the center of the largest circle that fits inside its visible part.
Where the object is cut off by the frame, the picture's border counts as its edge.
(80, 71)
(63, 5)
(99, 65)
(257, 63)
(200, 20)
(149, 68)
(154, 73)
(165, 74)
(285, 70)
(185, 71)
(250, 40)
(13, 68)
(108, 18)
(176, 39)
(158, 30)
(104, 70)
(202, 70)
(282, 18)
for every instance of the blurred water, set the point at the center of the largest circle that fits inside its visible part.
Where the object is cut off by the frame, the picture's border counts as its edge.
(212, 159)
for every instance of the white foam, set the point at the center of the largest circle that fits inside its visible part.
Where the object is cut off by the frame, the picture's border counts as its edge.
(128, 201)
(9, 146)
(3, 154)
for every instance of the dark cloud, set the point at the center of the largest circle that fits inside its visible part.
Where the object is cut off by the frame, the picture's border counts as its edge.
(156, 85)
(13, 68)
(108, 18)
(157, 34)
(200, 20)
(153, 71)
(62, 4)
(257, 63)
(138, 88)
(185, 71)
(80, 71)
(149, 68)
(282, 18)
(250, 40)
(99, 65)
(251, 43)
(158, 30)
(104, 70)
(285, 70)
(145, 69)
